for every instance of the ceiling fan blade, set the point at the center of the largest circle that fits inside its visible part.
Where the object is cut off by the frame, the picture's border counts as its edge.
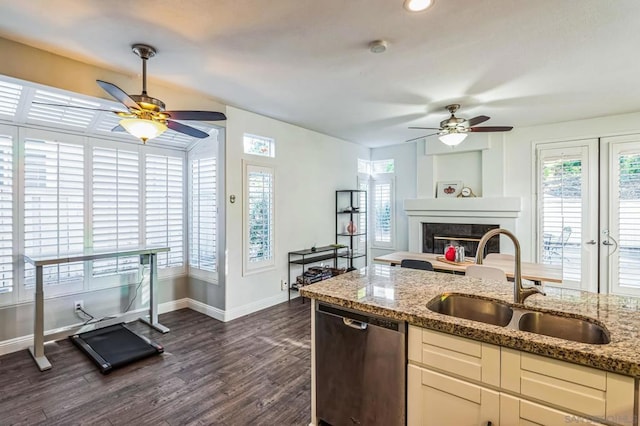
(196, 115)
(491, 129)
(426, 128)
(421, 137)
(118, 94)
(477, 120)
(187, 130)
(76, 106)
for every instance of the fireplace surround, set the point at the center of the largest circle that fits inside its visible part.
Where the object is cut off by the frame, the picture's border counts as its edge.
(437, 236)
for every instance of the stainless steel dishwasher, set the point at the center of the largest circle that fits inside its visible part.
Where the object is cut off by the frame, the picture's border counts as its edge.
(360, 368)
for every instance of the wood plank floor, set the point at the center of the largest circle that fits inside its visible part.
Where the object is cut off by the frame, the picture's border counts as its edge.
(255, 370)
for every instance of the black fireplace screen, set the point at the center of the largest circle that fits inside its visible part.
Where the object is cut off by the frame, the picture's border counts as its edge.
(437, 236)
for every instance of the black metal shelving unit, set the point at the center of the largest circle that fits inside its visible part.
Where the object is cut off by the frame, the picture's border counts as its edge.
(351, 207)
(309, 256)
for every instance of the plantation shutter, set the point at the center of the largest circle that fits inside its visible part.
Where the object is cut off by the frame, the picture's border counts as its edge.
(53, 207)
(626, 199)
(116, 205)
(164, 208)
(6, 214)
(561, 205)
(260, 203)
(382, 212)
(203, 235)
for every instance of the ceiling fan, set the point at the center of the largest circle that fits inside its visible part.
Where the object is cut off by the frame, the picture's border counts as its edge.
(146, 117)
(454, 130)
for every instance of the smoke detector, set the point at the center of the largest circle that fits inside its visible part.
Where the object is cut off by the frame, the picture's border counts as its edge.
(378, 46)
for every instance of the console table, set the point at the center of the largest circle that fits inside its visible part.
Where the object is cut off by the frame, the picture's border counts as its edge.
(147, 255)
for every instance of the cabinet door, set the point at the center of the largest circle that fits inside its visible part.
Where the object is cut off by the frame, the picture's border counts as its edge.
(516, 411)
(439, 400)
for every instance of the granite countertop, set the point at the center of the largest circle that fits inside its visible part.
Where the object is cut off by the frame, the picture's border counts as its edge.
(402, 294)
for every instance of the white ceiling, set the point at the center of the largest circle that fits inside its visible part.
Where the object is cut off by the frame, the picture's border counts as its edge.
(306, 61)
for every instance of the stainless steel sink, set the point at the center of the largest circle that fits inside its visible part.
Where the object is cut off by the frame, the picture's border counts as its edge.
(489, 311)
(575, 329)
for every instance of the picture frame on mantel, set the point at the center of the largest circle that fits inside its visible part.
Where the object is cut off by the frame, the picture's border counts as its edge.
(448, 188)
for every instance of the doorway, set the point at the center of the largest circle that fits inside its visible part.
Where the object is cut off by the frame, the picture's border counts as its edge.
(588, 212)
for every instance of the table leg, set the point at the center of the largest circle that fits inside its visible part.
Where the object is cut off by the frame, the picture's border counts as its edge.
(37, 350)
(152, 319)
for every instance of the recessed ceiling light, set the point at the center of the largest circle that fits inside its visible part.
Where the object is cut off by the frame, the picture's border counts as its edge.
(417, 5)
(378, 46)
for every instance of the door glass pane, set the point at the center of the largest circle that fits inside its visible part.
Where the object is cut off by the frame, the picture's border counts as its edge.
(628, 220)
(561, 213)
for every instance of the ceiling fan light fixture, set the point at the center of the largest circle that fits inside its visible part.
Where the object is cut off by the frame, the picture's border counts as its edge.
(142, 128)
(452, 139)
(417, 5)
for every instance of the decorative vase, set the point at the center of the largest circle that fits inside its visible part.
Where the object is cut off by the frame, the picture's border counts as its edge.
(351, 228)
(450, 254)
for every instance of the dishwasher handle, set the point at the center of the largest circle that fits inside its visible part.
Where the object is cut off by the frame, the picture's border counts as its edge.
(358, 325)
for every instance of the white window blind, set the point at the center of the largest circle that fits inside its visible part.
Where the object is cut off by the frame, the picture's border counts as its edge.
(560, 210)
(164, 207)
(203, 213)
(260, 216)
(53, 206)
(116, 205)
(6, 214)
(382, 212)
(627, 198)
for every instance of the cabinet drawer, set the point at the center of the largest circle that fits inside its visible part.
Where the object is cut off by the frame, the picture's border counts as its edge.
(569, 386)
(456, 355)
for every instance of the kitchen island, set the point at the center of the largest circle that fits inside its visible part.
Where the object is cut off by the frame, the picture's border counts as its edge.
(402, 294)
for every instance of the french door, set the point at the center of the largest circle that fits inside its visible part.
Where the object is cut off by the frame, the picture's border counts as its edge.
(589, 212)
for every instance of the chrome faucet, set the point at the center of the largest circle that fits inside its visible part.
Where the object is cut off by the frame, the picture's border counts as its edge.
(520, 293)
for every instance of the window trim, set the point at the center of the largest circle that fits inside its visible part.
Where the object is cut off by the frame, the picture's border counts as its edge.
(252, 268)
(390, 179)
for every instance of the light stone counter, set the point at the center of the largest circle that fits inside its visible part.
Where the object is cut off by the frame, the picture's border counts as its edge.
(402, 294)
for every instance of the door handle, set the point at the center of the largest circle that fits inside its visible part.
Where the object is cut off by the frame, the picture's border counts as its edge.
(358, 325)
(591, 242)
(607, 243)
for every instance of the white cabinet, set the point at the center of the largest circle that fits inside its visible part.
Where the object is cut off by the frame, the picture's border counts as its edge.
(452, 380)
(521, 412)
(434, 399)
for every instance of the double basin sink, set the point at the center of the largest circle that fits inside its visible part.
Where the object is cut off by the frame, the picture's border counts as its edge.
(500, 313)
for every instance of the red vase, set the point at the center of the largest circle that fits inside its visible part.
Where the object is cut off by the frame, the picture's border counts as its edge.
(450, 254)
(351, 228)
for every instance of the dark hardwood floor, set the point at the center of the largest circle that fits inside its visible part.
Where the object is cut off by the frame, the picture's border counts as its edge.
(255, 370)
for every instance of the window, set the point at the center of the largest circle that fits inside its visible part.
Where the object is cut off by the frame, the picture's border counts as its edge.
(53, 206)
(258, 145)
(116, 206)
(6, 214)
(382, 166)
(164, 207)
(259, 216)
(382, 200)
(203, 213)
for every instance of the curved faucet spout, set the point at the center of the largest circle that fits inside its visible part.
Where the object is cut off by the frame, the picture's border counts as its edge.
(520, 293)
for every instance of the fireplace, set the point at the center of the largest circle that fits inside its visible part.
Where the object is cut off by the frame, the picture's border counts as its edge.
(437, 236)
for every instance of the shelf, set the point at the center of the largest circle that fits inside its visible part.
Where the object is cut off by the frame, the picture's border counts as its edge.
(344, 234)
(313, 259)
(352, 256)
(358, 212)
(306, 252)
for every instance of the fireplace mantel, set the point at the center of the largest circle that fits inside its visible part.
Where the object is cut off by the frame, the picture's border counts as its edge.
(464, 207)
(482, 210)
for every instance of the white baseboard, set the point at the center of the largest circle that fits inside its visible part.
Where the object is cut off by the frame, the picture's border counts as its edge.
(15, 345)
(210, 311)
(173, 305)
(252, 307)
